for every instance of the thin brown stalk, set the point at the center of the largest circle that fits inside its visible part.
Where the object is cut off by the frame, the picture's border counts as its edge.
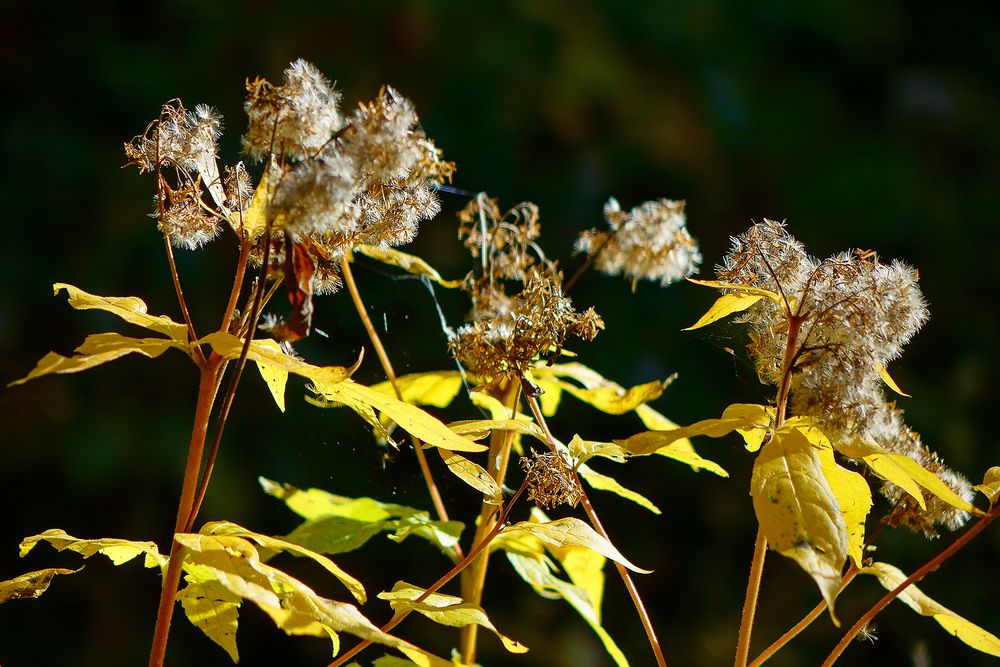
(207, 387)
(390, 373)
(234, 293)
(928, 567)
(498, 526)
(633, 591)
(750, 602)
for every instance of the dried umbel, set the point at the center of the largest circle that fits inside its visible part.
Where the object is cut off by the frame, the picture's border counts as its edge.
(650, 242)
(504, 243)
(179, 138)
(551, 480)
(847, 317)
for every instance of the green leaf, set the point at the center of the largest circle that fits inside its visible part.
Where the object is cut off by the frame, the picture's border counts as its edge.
(131, 309)
(31, 584)
(409, 263)
(98, 349)
(797, 510)
(724, 306)
(890, 577)
(116, 550)
(991, 485)
(572, 532)
(537, 573)
(275, 544)
(474, 475)
(445, 610)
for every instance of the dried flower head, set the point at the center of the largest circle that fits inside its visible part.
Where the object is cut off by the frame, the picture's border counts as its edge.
(849, 315)
(505, 243)
(315, 198)
(649, 242)
(181, 138)
(294, 120)
(551, 480)
(183, 219)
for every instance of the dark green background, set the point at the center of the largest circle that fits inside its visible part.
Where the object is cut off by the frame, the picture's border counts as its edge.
(864, 124)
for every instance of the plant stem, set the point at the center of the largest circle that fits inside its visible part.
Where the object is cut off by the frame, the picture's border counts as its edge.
(207, 387)
(498, 527)
(633, 592)
(927, 568)
(750, 602)
(779, 643)
(474, 578)
(234, 293)
(383, 357)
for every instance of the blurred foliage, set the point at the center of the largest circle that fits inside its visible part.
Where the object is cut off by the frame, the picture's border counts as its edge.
(870, 125)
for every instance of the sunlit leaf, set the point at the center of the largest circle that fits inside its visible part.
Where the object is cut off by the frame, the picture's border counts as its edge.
(890, 577)
(680, 450)
(724, 306)
(409, 417)
(797, 510)
(266, 352)
(744, 289)
(904, 472)
(572, 532)
(445, 610)
(211, 607)
(275, 544)
(275, 377)
(31, 584)
(254, 219)
(884, 374)
(98, 349)
(474, 475)
(409, 263)
(537, 573)
(601, 393)
(131, 309)
(605, 483)
(118, 551)
(991, 485)
(581, 450)
(477, 429)
(739, 416)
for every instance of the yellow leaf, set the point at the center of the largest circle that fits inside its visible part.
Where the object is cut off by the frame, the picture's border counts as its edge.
(211, 607)
(797, 510)
(571, 532)
(129, 308)
(904, 472)
(536, 572)
(884, 374)
(98, 349)
(477, 429)
(445, 610)
(585, 569)
(598, 391)
(275, 377)
(744, 289)
(31, 584)
(255, 217)
(409, 263)
(275, 544)
(581, 450)
(854, 498)
(724, 306)
(474, 475)
(411, 418)
(604, 483)
(890, 577)
(738, 416)
(266, 352)
(118, 551)
(437, 388)
(991, 485)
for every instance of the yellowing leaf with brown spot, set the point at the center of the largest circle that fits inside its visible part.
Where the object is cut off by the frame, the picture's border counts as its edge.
(724, 306)
(904, 472)
(409, 263)
(445, 610)
(31, 584)
(131, 309)
(474, 475)
(572, 532)
(890, 577)
(98, 349)
(118, 551)
(991, 485)
(797, 510)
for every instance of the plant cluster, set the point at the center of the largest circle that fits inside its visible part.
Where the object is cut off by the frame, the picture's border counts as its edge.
(331, 185)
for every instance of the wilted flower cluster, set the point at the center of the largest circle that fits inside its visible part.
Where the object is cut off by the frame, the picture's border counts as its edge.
(551, 480)
(649, 242)
(506, 332)
(333, 182)
(848, 316)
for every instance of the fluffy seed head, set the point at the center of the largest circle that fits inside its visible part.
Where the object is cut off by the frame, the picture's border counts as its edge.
(185, 139)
